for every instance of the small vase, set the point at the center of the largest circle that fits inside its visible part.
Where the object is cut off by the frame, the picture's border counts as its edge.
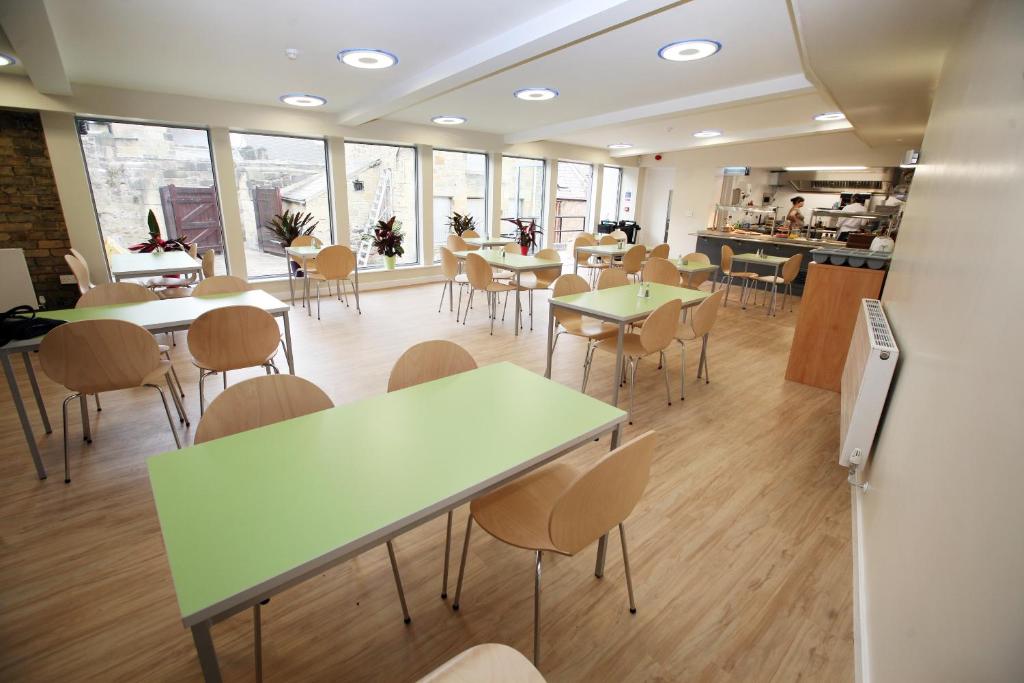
(524, 250)
(389, 262)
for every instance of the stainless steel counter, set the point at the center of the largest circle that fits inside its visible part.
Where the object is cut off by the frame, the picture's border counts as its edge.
(761, 239)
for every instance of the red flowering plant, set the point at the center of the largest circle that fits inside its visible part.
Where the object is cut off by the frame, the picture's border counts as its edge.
(527, 233)
(157, 243)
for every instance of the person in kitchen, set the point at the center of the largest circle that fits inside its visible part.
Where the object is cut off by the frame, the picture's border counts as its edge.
(848, 225)
(795, 218)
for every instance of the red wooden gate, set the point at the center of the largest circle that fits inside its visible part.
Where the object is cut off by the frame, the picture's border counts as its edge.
(267, 202)
(193, 213)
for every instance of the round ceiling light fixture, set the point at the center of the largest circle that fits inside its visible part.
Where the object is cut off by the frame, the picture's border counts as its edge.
(6, 59)
(536, 94)
(449, 120)
(303, 100)
(830, 116)
(709, 133)
(619, 145)
(367, 58)
(689, 50)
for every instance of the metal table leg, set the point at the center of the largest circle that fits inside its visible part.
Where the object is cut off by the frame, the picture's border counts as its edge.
(205, 651)
(26, 426)
(305, 289)
(551, 336)
(355, 275)
(35, 390)
(575, 262)
(515, 321)
(288, 344)
(291, 280)
(618, 364)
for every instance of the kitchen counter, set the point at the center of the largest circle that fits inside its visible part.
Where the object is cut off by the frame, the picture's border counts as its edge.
(802, 241)
(709, 242)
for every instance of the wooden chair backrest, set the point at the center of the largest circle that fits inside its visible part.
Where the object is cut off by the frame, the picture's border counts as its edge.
(470, 233)
(209, 256)
(487, 663)
(695, 280)
(791, 268)
(258, 402)
(570, 283)
(233, 337)
(660, 327)
(727, 254)
(584, 239)
(546, 277)
(428, 361)
(478, 271)
(336, 262)
(697, 257)
(619, 234)
(662, 271)
(193, 250)
(93, 356)
(633, 260)
(221, 284)
(456, 243)
(603, 496)
(81, 272)
(660, 251)
(513, 248)
(112, 247)
(702, 319)
(607, 240)
(449, 264)
(110, 293)
(306, 241)
(612, 277)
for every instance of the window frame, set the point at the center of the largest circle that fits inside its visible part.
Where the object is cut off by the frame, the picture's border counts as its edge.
(487, 190)
(618, 191)
(589, 200)
(543, 189)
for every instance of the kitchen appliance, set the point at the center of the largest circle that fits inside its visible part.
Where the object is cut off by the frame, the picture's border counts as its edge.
(868, 181)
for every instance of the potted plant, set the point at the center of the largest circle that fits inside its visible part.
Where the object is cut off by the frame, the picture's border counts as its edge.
(526, 233)
(387, 240)
(460, 223)
(155, 243)
(289, 225)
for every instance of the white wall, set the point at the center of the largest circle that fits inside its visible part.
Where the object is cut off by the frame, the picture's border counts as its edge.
(942, 526)
(657, 184)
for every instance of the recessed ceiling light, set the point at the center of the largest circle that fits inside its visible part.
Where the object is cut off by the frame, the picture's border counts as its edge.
(709, 133)
(689, 50)
(830, 116)
(448, 120)
(536, 94)
(365, 58)
(303, 100)
(7, 60)
(826, 168)
(619, 145)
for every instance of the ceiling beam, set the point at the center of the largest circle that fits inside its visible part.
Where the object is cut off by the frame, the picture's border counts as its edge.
(28, 28)
(793, 84)
(761, 135)
(559, 27)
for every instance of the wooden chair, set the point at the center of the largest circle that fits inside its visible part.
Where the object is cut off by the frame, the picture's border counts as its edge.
(221, 284)
(574, 324)
(729, 274)
(422, 363)
(660, 270)
(512, 248)
(487, 663)
(695, 280)
(208, 258)
(633, 260)
(539, 280)
(456, 243)
(306, 241)
(698, 326)
(470, 233)
(232, 338)
(660, 251)
(112, 293)
(613, 277)
(452, 277)
(335, 264)
(97, 356)
(790, 269)
(562, 509)
(80, 269)
(655, 336)
(168, 287)
(619, 235)
(584, 239)
(481, 278)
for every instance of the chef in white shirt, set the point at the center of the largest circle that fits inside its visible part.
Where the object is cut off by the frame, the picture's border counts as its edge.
(848, 225)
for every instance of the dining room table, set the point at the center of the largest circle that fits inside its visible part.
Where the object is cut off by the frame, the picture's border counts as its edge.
(131, 265)
(517, 264)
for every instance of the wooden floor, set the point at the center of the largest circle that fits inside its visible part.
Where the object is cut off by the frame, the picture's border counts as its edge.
(740, 548)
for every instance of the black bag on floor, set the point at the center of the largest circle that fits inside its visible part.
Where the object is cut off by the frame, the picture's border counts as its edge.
(21, 323)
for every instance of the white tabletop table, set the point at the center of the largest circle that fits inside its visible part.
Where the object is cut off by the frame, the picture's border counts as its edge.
(488, 241)
(135, 265)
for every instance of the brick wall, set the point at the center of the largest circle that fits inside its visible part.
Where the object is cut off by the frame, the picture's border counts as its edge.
(30, 212)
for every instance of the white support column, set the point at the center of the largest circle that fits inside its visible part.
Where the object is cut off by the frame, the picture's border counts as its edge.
(594, 215)
(227, 192)
(494, 192)
(550, 193)
(339, 190)
(425, 166)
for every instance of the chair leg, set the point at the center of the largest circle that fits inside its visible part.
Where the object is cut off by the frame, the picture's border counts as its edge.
(587, 362)
(86, 427)
(625, 564)
(317, 299)
(257, 641)
(458, 311)
(447, 553)
(664, 367)
(704, 358)
(167, 410)
(682, 373)
(469, 305)
(728, 286)
(64, 411)
(536, 612)
(202, 392)
(224, 378)
(493, 296)
(99, 408)
(178, 407)
(462, 563)
(634, 366)
(398, 581)
(174, 373)
(444, 288)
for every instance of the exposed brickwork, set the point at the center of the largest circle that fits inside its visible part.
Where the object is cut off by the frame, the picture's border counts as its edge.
(30, 212)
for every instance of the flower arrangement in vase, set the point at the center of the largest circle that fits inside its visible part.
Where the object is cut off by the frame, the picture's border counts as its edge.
(155, 243)
(526, 233)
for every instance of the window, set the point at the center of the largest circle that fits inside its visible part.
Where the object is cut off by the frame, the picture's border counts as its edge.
(522, 189)
(381, 184)
(134, 168)
(611, 189)
(572, 203)
(275, 174)
(460, 185)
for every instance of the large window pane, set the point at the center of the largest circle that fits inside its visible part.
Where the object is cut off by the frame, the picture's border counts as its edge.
(137, 167)
(610, 190)
(277, 174)
(572, 203)
(382, 183)
(460, 185)
(522, 189)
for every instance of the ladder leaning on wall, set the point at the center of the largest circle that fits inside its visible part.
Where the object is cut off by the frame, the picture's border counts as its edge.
(380, 209)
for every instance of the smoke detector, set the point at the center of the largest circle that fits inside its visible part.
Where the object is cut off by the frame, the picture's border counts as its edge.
(292, 53)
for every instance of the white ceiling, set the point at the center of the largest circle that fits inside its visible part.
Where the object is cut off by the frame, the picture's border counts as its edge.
(467, 57)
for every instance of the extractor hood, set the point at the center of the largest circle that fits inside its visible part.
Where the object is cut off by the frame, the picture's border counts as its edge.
(867, 181)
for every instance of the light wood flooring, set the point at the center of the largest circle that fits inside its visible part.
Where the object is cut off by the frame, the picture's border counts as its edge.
(740, 548)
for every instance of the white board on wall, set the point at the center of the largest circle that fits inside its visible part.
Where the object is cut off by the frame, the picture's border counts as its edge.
(15, 282)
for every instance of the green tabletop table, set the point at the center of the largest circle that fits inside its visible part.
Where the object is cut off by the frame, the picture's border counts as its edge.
(760, 259)
(691, 268)
(517, 264)
(607, 250)
(248, 515)
(488, 241)
(132, 264)
(304, 254)
(165, 315)
(622, 306)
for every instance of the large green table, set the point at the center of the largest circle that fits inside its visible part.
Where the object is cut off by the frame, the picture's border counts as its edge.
(154, 263)
(165, 315)
(621, 306)
(516, 264)
(760, 259)
(246, 516)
